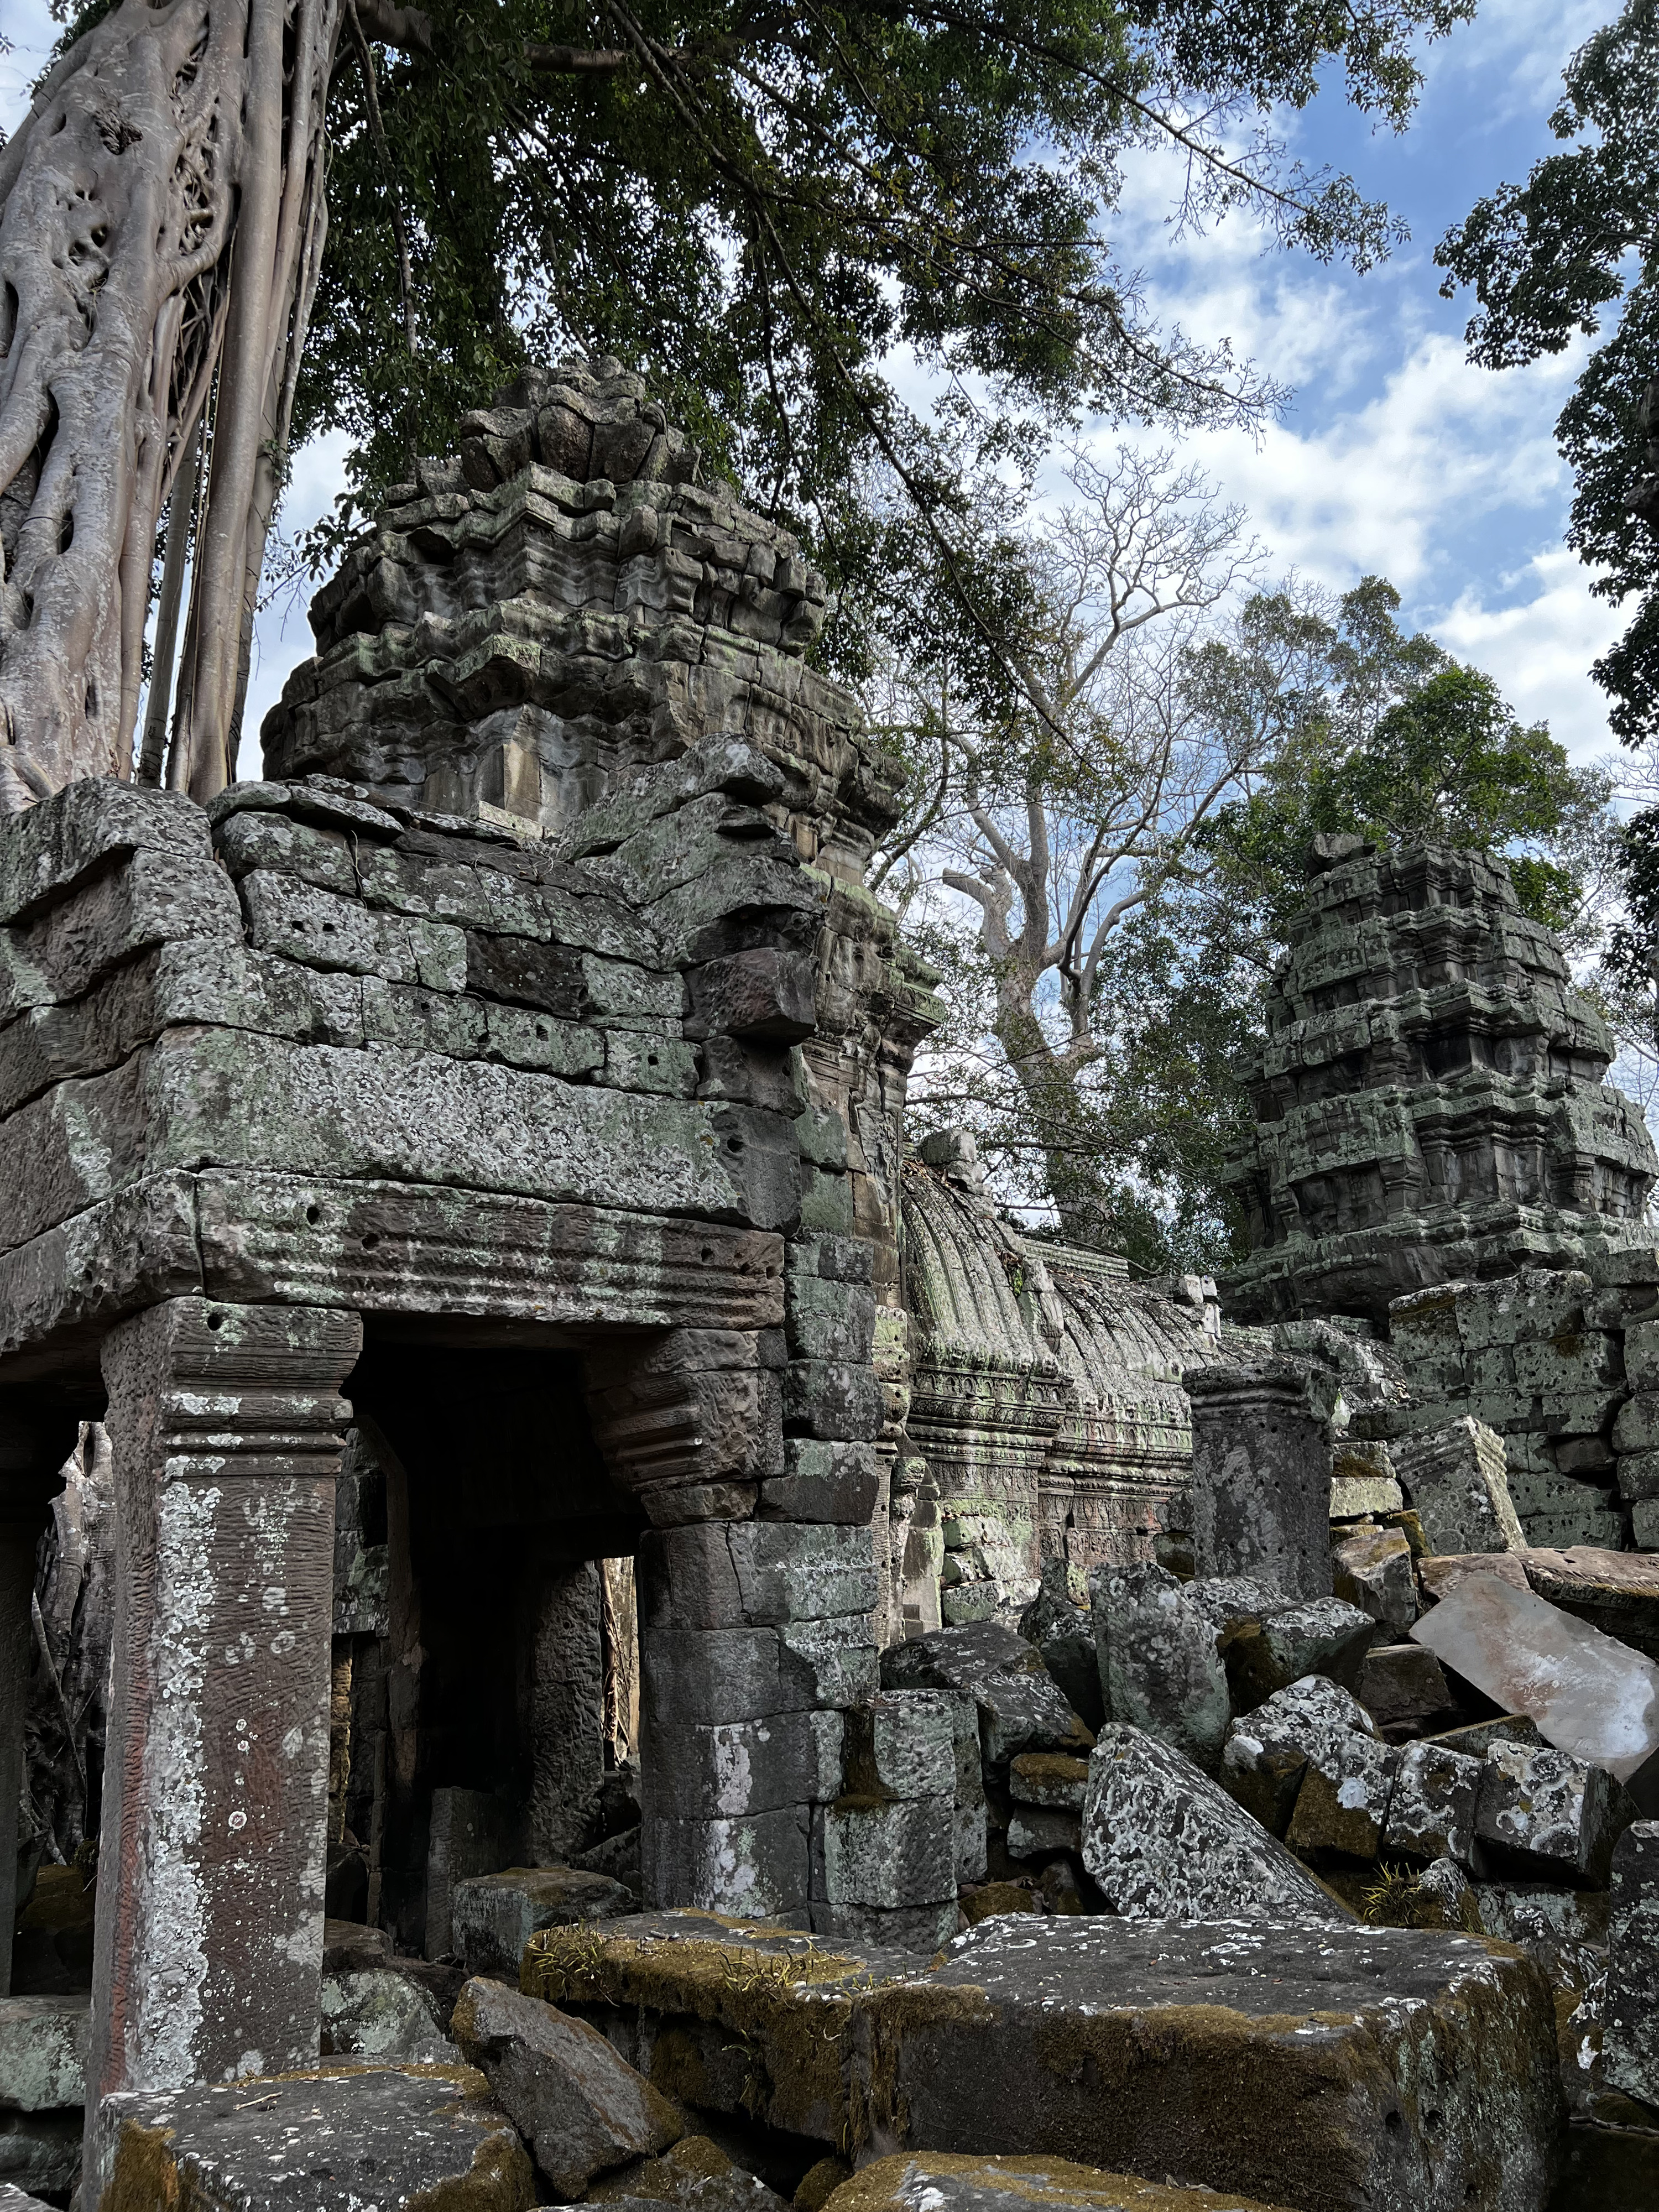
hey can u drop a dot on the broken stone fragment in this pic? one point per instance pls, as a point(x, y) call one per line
point(1361, 1480)
point(43, 2053)
point(580, 2106)
point(1403, 1687)
point(1049, 1777)
point(696, 2173)
point(40, 2151)
point(1160, 1669)
point(1372, 1569)
point(1162, 1841)
point(1457, 1480)
point(1323, 1635)
point(1590, 1696)
point(494, 1915)
point(1388, 2070)
point(1431, 1813)
point(332, 2140)
point(1342, 1800)
point(984, 1901)
point(1037, 1832)
point(937, 2181)
point(1020, 1709)
point(379, 2015)
point(1545, 1812)
point(1630, 2047)
point(1063, 1633)
point(1439, 1575)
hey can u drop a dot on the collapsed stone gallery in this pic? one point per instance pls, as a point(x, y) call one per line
point(583, 1622)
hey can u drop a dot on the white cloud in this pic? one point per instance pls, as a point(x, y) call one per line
point(1541, 647)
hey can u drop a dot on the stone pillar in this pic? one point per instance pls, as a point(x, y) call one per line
point(33, 1445)
point(567, 1712)
point(227, 1430)
point(1261, 1472)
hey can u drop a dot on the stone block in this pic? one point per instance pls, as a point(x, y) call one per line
point(1438, 1576)
point(734, 1768)
point(1638, 1475)
point(1354, 1496)
point(893, 1929)
point(382, 2016)
point(942, 2181)
point(822, 1481)
point(1342, 1800)
point(256, 839)
point(1261, 1472)
point(971, 1830)
point(1431, 1813)
point(1063, 1633)
point(1402, 1687)
point(829, 1321)
point(887, 1854)
point(472, 1831)
point(1020, 1709)
point(827, 1662)
point(494, 1915)
point(1371, 1568)
point(332, 2140)
point(1381, 2068)
point(1049, 1777)
point(834, 1400)
point(1630, 2033)
point(1641, 1356)
point(1037, 1832)
point(1162, 1841)
point(579, 2106)
point(1456, 1479)
point(43, 2053)
point(826, 1203)
point(752, 1866)
point(1617, 1592)
point(1644, 1525)
point(1549, 1814)
point(1325, 1636)
point(1590, 1696)
point(1637, 1427)
point(1160, 1669)
point(702, 1677)
point(901, 1743)
point(805, 1573)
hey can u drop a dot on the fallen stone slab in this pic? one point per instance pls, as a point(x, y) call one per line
point(1323, 1636)
point(1591, 1696)
point(1020, 1707)
point(1630, 2040)
point(1457, 1480)
point(1049, 1777)
point(939, 2181)
point(1439, 1574)
point(1617, 1592)
point(1544, 1811)
point(337, 2140)
point(1161, 1840)
point(1342, 1800)
point(1403, 1687)
point(578, 2105)
point(696, 2173)
point(1159, 1667)
point(494, 1915)
point(1371, 1568)
point(1061, 1630)
point(43, 2053)
point(1330, 2068)
point(376, 2012)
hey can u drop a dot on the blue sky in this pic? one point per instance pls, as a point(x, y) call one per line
point(1393, 455)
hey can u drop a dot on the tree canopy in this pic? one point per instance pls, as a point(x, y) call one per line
point(1573, 252)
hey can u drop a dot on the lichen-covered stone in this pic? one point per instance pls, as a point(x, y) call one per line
point(1267, 1653)
point(494, 1915)
point(1020, 1709)
point(1372, 1569)
point(1549, 1814)
point(1261, 1472)
point(382, 2016)
point(1341, 1802)
point(1403, 1687)
point(1630, 2047)
point(581, 2107)
point(1162, 1841)
point(937, 2181)
point(332, 2140)
point(1431, 1813)
point(1160, 1669)
point(1456, 1479)
point(43, 2053)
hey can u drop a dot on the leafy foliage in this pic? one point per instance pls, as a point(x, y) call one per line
point(1571, 252)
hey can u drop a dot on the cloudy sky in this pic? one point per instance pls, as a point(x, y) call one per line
point(1393, 456)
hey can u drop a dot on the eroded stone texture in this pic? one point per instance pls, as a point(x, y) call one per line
point(582, 2109)
point(937, 2181)
point(1431, 1813)
point(1161, 1840)
point(329, 2139)
point(1262, 1472)
point(1630, 2044)
point(1160, 1669)
point(1020, 1709)
point(378, 2014)
point(1548, 1813)
point(1456, 1479)
point(1409, 972)
point(43, 2053)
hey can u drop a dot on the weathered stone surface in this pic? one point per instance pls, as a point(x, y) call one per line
point(1431, 1813)
point(1160, 1669)
point(1590, 1696)
point(1362, 1479)
point(903, 1744)
point(1261, 1472)
point(1037, 1832)
point(1381, 2068)
point(1456, 1479)
point(1550, 1814)
point(42, 2053)
point(1342, 1801)
point(1325, 1636)
point(875, 1852)
point(328, 2140)
point(1372, 1569)
point(1403, 1686)
point(1617, 1592)
point(1063, 1633)
point(984, 1901)
point(1020, 1709)
point(1438, 1576)
point(696, 2173)
point(937, 2181)
point(13, 2199)
point(580, 2106)
point(1162, 1841)
point(1630, 2042)
point(1049, 1777)
point(40, 2151)
point(378, 2014)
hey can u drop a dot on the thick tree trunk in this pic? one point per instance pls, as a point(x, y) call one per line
point(1059, 1117)
point(160, 221)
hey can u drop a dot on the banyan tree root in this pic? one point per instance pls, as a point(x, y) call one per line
point(161, 225)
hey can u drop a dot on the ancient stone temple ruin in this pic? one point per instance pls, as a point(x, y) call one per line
point(614, 1630)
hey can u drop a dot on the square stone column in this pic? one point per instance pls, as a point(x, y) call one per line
point(227, 1430)
point(1261, 1472)
point(33, 1445)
